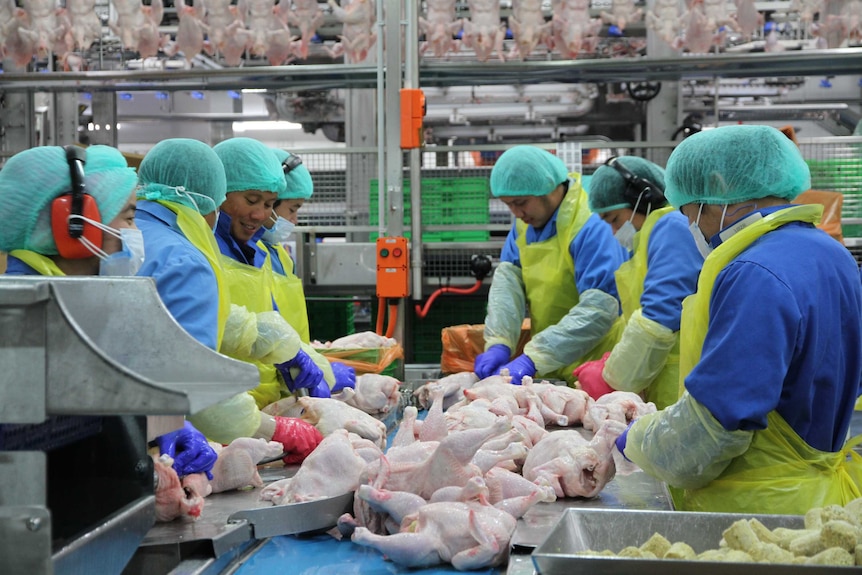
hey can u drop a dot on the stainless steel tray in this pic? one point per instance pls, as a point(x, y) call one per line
point(599, 529)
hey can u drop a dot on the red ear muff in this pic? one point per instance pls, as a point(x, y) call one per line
point(69, 231)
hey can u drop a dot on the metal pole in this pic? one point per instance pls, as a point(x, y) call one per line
point(381, 126)
point(411, 80)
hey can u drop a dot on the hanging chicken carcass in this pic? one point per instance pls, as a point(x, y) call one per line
point(574, 31)
point(529, 27)
point(137, 26)
point(483, 30)
point(226, 35)
point(439, 25)
point(357, 33)
point(305, 15)
point(44, 27)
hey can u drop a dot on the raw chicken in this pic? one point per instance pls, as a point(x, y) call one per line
point(503, 484)
point(806, 9)
point(138, 25)
point(699, 31)
point(198, 483)
point(329, 415)
point(190, 31)
point(8, 24)
point(747, 19)
point(84, 25)
point(225, 31)
point(333, 468)
point(620, 406)
point(483, 31)
point(623, 13)
point(307, 16)
point(573, 29)
point(529, 28)
point(236, 466)
point(406, 434)
point(263, 26)
point(558, 401)
point(467, 535)
point(44, 27)
point(453, 388)
point(440, 26)
point(664, 20)
point(361, 340)
point(357, 38)
point(373, 393)
point(172, 499)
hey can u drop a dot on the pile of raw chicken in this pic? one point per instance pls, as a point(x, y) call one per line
point(449, 487)
point(282, 30)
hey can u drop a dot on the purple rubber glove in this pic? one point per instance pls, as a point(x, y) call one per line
point(621, 441)
point(189, 449)
point(309, 375)
point(519, 367)
point(489, 362)
point(320, 390)
point(345, 376)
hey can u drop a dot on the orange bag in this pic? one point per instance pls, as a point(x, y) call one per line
point(374, 360)
point(462, 343)
point(832, 203)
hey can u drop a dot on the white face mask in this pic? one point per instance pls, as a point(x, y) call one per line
point(703, 245)
point(125, 262)
point(279, 232)
point(626, 235)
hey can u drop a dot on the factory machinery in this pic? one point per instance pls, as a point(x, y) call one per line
point(62, 504)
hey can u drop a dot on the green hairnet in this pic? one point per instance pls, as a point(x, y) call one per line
point(250, 165)
point(527, 171)
point(31, 179)
point(733, 164)
point(181, 162)
point(298, 180)
point(607, 186)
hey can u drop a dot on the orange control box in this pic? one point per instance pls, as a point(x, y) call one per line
point(412, 112)
point(393, 267)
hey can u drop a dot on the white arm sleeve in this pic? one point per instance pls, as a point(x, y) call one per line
point(507, 306)
point(640, 354)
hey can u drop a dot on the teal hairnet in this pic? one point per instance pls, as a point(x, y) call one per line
point(31, 179)
point(298, 180)
point(733, 164)
point(527, 171)
point(250, 165)
point(183, 162)
point(607, 186)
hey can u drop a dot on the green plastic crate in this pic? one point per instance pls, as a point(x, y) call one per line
point(446, 311)
point(445, 201)
point(328, 320)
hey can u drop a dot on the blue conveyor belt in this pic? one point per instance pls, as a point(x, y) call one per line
point(323, 555)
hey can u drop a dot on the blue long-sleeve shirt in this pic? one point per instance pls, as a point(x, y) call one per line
point(784, 334)
point(595, 251)
point(184, 277)
point(673, 265)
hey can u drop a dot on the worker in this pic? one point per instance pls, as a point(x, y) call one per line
point(254, 179)
point(628, 193)
point(772, 350)
point(36, 186)
point(559, 260)
point(182, 182)
point(287, 287)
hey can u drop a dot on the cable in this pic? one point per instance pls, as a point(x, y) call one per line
point(393, 318)
point(423, 311)
point(381, 311)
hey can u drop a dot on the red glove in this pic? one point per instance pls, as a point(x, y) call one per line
point(298, 437)
point(590, 378)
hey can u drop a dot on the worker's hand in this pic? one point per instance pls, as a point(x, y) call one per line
point(519, 367)
point(620, 441)
point(298, 437)
point(301, 371)
point(320, 390)
point(489, 362)
point(590, 378)
point(345, 376)
point(189, 449)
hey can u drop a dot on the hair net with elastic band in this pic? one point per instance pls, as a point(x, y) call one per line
point(298, 180)
point(607, 186)
point(527, 171)
point(31, 180)
point(733, 164)
point(183, 162)
point(250, 165)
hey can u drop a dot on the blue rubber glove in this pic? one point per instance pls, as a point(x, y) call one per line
point(519, 367)
point(621, 441)
point(489, 362)
point(189, 449)
point(309, 375)
point(320, 390)
point(345, 376)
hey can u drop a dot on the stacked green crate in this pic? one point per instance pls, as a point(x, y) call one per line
point(445, 201)
point(841, 175)
point(330, 319)
point(447, 310)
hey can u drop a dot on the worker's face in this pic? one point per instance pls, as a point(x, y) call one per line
point(534, 210)
point(248, 211)
point(708, 218)
point(616, 218)
point(125, 219)
point(289, 209)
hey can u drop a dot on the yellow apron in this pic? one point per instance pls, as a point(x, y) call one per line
point(780, 473)
point(42, 264)
point(288, 292)
point(549, 277)
point(198, 232)
point(250, 287)
point(630, 276)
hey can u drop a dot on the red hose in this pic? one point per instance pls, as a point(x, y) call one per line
point(393, 317)
point(381, 311)
point(423, 311)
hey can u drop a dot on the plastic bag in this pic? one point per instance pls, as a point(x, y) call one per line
point(276, 341)
point(237, 416)
point(368, 360)
point(462, 343)
point(240, 333)
point(832, 203)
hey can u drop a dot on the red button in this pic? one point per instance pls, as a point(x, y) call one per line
point(396, 252)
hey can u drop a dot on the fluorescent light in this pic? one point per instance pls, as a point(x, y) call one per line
point(264, 125)
point(253, 90)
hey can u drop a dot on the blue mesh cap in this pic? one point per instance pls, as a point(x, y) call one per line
point(733, 164)
point(183, 162)
point(607, 186)
point(527, 171)
point(31, 179)
point(298, 179)
point(250, 165)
